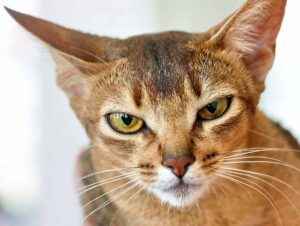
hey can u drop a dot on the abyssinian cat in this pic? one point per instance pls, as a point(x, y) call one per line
point(176, 135)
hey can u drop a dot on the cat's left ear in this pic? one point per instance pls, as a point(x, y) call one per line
point(77, 54)
point(251, 33)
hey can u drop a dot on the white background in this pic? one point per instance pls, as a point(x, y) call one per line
point(40, 136)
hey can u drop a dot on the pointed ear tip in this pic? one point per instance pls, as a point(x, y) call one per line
point(9, 10)
point(12, 12)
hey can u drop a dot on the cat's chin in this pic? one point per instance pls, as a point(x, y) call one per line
point(179, 196)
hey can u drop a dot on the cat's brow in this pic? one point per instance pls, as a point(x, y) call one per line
point(137, 94)
point(122, 104)
point(195, 84)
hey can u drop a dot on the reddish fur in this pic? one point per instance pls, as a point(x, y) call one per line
point(164, 79)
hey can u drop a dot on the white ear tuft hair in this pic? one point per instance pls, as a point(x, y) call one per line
point(251, 32)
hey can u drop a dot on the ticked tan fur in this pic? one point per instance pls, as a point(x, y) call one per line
point(165, 79)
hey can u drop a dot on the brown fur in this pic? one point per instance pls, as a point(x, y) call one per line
point(165, 79)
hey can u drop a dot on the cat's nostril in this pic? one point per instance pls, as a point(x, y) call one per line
point(180, 165)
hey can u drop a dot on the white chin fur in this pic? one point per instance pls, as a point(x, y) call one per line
point(165, 190)
point(176, 199)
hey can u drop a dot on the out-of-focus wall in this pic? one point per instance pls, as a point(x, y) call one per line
point(41, 135)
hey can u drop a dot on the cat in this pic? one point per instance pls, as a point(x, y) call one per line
point(176, 135)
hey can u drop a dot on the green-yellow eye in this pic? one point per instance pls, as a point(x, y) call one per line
point(214, 109)
point(125, 123)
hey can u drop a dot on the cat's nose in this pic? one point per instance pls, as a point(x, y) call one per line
point(179, 165)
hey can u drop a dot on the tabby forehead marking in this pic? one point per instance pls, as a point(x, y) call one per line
point(163, 67)
point(137, 94)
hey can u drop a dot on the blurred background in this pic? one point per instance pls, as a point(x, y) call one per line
point(39, 134)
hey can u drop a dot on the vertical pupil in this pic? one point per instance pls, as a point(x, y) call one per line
point(212, 107)
point(127, 119)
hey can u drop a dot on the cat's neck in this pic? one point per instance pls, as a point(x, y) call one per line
point(265, 132)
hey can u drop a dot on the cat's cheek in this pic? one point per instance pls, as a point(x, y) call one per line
point(148, 154)
point(79, 172)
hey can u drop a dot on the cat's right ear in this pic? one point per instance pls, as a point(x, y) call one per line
point(250, 33)
point(77, 55)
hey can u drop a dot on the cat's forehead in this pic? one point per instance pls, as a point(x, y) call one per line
point(162, 60)
point(166, 72)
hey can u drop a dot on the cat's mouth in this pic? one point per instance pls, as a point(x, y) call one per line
point(182, 188)
point(180, 194)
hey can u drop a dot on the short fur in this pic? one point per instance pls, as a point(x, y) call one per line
point(165, 79)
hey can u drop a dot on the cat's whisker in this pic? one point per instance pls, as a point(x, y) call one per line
point(243, 150)
point(104, 194)
point(248, 181)
point(260, 149)
point(220, 174)
point(111, 200)
point(237, 183)
point(241, 186)
point(106, 171)
point(270, 184)
point(91, 54)
point(263, 157)
point(100, 60)
point(107, 181)
point(263, 175)
point(168, 211)
point(145, 202)
point(256, 157)
point(222, 188)
point(265, 136)
point(251, 156)
point(90, 69)
point(229, 162)
point(131, 197)
point(88, 147)
point(197, 204)
point(214, 190)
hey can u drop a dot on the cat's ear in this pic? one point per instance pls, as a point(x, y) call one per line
point(76, 54)
point(251, 32)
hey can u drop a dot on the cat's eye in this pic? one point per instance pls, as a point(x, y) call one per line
point(214, 109)
point(125, 123)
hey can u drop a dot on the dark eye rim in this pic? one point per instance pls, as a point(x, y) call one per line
point(229, 99)
point(143, 127)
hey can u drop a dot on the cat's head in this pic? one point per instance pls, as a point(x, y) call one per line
point(170, 103)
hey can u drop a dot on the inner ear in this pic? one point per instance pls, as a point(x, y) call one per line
point(251, 34)
point(72, 74)
point(78, 55)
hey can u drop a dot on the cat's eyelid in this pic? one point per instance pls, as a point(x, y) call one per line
point(121, 112)
point(118, 108)
point(215, 99)
point(121, 103)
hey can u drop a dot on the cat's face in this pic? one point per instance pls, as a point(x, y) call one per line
point(171, 101)
point(170, 104)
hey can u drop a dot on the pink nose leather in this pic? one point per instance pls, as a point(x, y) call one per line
point(179, 165)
